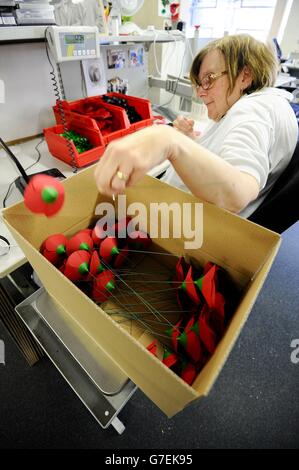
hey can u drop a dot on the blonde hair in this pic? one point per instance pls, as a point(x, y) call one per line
point(239, 51)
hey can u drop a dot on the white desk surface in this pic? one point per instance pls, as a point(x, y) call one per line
point(284, 79)
point(27, 155)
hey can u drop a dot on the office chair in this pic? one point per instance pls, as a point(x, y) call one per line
point(280, 209)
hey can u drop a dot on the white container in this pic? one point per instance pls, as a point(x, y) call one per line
point(34, 16)
point(114, 26)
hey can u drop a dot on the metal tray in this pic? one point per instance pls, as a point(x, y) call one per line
point(99, 382)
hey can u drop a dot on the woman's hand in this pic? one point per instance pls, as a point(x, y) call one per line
point(186, 126)
point(127, 160)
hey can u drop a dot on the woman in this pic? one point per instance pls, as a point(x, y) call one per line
point(240, 155)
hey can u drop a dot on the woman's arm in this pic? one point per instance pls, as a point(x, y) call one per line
point(211, 178)
point(205, 174)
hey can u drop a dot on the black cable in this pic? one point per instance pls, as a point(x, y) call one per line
point(38, 152)
point(30, 166)
point(6, 245)
point(46, 43)
point(15, 160)
point(8, 193)
point(59, 103)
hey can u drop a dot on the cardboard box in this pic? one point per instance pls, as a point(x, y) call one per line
point(244, 249)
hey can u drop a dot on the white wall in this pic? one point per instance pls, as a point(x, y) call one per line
point(167, 56)
point(148, 15)
point(290, 40)
point(28, 91)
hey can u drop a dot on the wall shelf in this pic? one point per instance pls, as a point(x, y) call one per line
point(159, 37)
point(17, 34)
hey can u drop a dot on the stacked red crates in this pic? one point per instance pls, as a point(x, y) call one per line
point(83, 124)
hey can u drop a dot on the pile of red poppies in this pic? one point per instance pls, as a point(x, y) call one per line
point(102, 115)
point(207, 300)
point(91, 257)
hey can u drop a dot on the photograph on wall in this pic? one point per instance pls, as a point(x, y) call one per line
point(136, 56)
point(116, 59)
point(94, 76)
point(118, 85)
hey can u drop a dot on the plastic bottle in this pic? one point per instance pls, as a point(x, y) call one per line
point(114, 26)
point(114, 21)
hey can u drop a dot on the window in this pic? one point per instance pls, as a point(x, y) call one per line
point(217, 17)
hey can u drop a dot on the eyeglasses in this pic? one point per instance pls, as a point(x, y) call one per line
point(209, 80)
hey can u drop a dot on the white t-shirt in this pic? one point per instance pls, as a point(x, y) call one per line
point(258, 135)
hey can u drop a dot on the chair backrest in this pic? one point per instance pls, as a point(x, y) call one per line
point(277, 49)
point(280, 209)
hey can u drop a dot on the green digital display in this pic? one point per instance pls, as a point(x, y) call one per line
point(74, 39)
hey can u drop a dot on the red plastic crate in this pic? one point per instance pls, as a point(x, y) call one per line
point(120, 123)
point(143, 108)
point(60, 147)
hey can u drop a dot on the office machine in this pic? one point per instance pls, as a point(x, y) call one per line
point(73, 42)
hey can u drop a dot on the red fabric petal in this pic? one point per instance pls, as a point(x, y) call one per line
point(33, 195)
point(99, 291)
point(190, 287)
point(207, 335)
point(189, 373)
point(51, 243)
point(152, 348)
point(174, 333)
point(208, 286)
point(72, 264)
point(106, 248)
point(73, 244)
point(52, 256)
point(98, 234)
point(214, 299)
point(95, 263)
point(121, 258)
point(179, 271)
point(169, 360)
point(192, 346)
point(86, 230)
